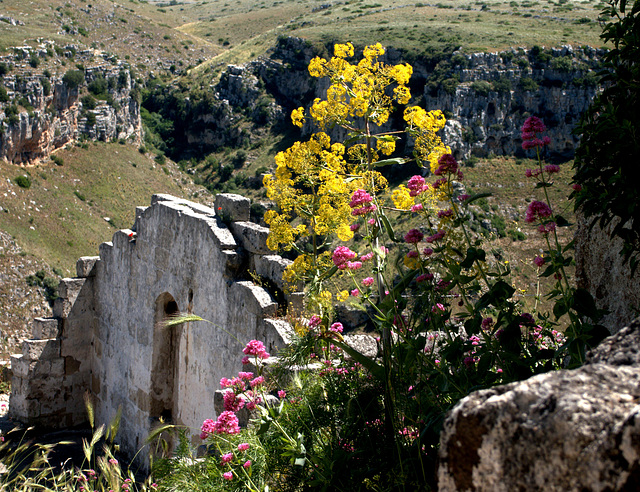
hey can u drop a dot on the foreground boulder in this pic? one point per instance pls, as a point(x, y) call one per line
point(563, 431)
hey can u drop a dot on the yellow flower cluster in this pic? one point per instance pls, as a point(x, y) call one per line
point(424, 126)
point(358, 90)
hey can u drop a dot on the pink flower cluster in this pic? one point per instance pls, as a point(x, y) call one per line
point(336, 328)
point(537, 210)
point(532, 127)
point(368, 281)
point(361, 203)
point(539, 261)
point(417, 185)
point(436, 237)
point(414, 236)
point(227, 423)
point(256, 348)
point(445, 213)
point(342, 257)
point(447, 164)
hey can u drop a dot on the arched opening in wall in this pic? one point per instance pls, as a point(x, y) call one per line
point(164, 360)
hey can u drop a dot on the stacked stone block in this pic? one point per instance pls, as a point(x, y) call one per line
point(50, 375)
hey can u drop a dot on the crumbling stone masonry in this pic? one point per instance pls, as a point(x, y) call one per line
point(106, 338)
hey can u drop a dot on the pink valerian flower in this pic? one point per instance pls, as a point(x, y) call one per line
point(282, 394)
point(417, 207)
point(463, 197)
point(539, 261)
point(315, 321)
point(551, 168)
point(256, 348)
point(360, 198)
point(257, 381)
point(243, 446)
point(371, 222)
point(438, 308)
point(438, 183)
point(226, 458)
point(208, 427)
point(245, 360)
point(414, 236)
point(367, 282)
point(227, 423)
point(424, 277)
point(487, 324)
point(232, 402)
point(576, 187)
point(474, 339)
point(537, 210)
point(245, 375)
point(355, 292)
point(413, 254)
point(351, 265)
point(528, 318)
point(363, 210)
point(547, 228)
point(436, 237)
point(532, 173)
point(427, 251)
point(416, 185)
point(531, 128)
point(247, 464)
point(341, 255)
point(445, 213)
point(447, 164)
point(228, 475)
point(336, 327)
point(366, 257)
point(354, 227)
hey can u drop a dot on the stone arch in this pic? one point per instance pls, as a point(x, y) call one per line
point(164, 360)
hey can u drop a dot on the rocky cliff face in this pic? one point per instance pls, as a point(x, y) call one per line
point(485, 96)
point(43, 113)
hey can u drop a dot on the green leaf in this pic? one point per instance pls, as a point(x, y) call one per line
point(542, 185)
point(560, 309)
point(388, 228)
point(497, 295)
point(477, 196)
point(562, 222)
point(389, 162)
point(353, 137)
point(473, 254)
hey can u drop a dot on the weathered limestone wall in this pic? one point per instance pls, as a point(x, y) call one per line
point(179, 257)
point(600, 270)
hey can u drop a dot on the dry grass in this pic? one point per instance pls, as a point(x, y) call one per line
point(61, 216)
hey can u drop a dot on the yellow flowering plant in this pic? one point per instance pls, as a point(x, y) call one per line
point(314, 181)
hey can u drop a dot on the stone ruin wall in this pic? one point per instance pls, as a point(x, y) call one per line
point(106, 341)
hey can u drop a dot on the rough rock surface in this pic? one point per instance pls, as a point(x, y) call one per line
point(562, 431)
point(600, 270)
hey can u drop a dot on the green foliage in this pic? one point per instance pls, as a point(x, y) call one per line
point(23, 181)
point(606, 160)
point(49, 285)
point(562, 63)
point(88, 102)
point(4, 68)
point(57, 160)
point(46, 86)
point(73, 78)
point(528, 84)
point(4, 97)
point(98, 87)
point(481, 87)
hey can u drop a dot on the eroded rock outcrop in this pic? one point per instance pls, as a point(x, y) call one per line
point(561, 431)
point(43, 113)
